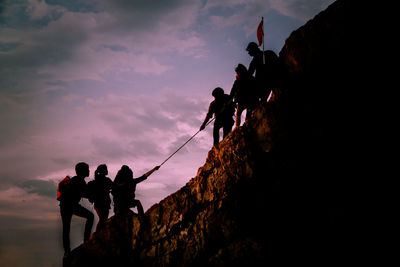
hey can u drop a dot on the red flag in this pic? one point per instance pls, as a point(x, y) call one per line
point(260, 32)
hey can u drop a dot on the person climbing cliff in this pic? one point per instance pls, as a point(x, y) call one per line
point(69, 204)
point(244, 93)
point(223, 108)
point(99, 190)
point(124, 188)
point(265, 68)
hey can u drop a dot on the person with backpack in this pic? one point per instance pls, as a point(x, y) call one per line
point(244, 93)
point(99, 190)
point(265, 67)
point(124, 188)
point(71, 192)
point(223, 108)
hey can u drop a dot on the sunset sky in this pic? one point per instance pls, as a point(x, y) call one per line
point(115, 82)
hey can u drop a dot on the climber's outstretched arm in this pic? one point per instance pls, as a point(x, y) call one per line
point(147, 174)
point(208, 117)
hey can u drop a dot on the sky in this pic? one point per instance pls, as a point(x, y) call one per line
point(115, 82)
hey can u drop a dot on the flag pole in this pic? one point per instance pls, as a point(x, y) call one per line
point(262, 19)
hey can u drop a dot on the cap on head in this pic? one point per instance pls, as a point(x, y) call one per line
point(251, 46)
point(218, 92)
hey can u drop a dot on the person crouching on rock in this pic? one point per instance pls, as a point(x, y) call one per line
point(124, 188)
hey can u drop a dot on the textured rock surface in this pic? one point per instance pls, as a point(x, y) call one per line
point(271, 192)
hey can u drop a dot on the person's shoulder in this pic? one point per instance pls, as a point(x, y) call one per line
point(212, 104)
point(227, 97)
point(74, 179)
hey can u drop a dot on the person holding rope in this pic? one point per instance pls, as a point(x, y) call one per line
point(124, 188)
point(223, 108)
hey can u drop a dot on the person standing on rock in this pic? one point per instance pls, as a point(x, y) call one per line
point(223, 108)
point(244, 93)
point(99, 190)
point(265, 67)
point(69, 204)
point(124, 188)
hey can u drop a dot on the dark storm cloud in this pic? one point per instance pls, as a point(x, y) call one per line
point(146, 13)
point(2, 5)
point(301, 9)
point(43, 48)
point(28, 14)
point(71, 38)
point(40, 187)
point(6, 47)
point(83, 6)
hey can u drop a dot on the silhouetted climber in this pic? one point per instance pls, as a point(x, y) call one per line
point(69, 204)
point(265, 74)
point(244, 93)
point(223, 108)
point(99, 190)
point(124, 189)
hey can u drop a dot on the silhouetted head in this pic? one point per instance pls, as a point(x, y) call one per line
point(125, 171)
point(241, 69)
point(218, 92)
point(82, 169)
point(252, 48)
point(101, 170)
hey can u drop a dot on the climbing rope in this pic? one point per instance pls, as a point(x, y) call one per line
point(226, 104)
point(190, 139)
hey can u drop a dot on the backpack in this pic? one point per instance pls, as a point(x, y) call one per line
point(62, 187)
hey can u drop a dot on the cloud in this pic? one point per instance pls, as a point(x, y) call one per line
point(247, 14)
point(226, 3)
point(30, 227)
point(114, 129)
point(300, 9)
point(40, 187)
point(150, 14)
point(147, 125)
point(109, 148)
point(243, 14)
point(38, 9)
point(17, 202)
point(115, 82)
point(68, 46)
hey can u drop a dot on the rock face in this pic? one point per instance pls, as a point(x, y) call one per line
point(273, 190)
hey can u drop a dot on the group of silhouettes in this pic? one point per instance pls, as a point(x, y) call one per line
point(252, 86)
point(246, 93)
point(98, 192)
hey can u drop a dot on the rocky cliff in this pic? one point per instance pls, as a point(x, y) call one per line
point(273, 190)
